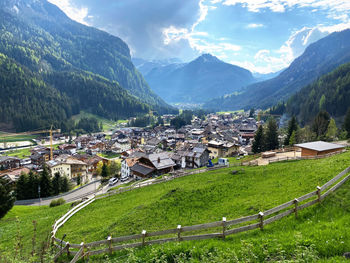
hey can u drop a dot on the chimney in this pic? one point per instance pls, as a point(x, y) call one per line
point(158, 159)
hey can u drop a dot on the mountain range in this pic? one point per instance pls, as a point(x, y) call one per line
point(197, 81)
point(41, 40)
point(318, 59)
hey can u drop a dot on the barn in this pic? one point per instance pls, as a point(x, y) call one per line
point(319, 148)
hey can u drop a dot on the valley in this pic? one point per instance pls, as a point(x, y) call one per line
point(174, 131)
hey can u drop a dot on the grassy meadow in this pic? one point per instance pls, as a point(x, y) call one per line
point(106, 124)
point(201, 198)
point(319, 234)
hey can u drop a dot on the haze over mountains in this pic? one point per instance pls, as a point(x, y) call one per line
point(40, 40)
point(198, 80)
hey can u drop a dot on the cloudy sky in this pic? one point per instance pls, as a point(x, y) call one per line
point(260, 35)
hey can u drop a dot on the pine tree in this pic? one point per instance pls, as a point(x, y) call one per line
point(104, 172)
point(64, 185)
point(32, 185)
point(320, 124)
point(258, 143)
point(45, 183)
point(56, 181)
point(347, 123)
point(271, 137)
point(7, 197)
point(292, 126)
point(331, 130)
point(21, 187)
point(292, 139)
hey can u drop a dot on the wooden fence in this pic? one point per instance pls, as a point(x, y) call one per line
point(304, 157)
point(223, 228)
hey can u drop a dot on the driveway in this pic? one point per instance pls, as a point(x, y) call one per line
point(265, 161)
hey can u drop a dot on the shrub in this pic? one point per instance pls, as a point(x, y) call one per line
point(57, 202)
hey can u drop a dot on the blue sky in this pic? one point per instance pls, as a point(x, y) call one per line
point(261, 35)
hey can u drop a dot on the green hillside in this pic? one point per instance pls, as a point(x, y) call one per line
point(72, 57)
point(30, 100)
point(205, 198)
point(41, 37)
point(331, 92)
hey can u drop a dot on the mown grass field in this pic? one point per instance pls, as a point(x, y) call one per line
point(17, 138)
point(106, 124)
point(320, 232)
point(109, 155)
point(22, 153)
point(201, 198)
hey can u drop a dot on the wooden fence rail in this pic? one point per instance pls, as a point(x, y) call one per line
point(256, 221)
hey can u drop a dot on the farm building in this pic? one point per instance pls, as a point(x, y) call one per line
point(319, 148)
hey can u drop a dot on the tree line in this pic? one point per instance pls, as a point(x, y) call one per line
point(27, 186)
point(323, 127)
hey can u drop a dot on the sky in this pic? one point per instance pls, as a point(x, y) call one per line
point(260, 35)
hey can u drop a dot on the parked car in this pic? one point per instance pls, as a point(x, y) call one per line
point(112, 181)
point(123, 179)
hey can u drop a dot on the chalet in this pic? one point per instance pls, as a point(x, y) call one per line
point(38, 159)
point(91, 161)
point(191, 158)
point(68, 148)
point(219, 149)
point(151, 165)
point(319, 148)
point(83, 141)
point(8, 162)
point(196, 134)
point(77, 167)
point(59, 167)
point(14, 174)
point(141, 170)
point(126, 166)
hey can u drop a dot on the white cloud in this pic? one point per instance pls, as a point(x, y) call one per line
point(254, 25)
point(219, 47)
point(256, 5)
point(281, 5)
point(73, 12)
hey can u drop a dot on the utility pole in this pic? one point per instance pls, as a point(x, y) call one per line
point(39, 195)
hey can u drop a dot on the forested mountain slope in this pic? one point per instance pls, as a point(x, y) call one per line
point(31, 100)
point(331, 92)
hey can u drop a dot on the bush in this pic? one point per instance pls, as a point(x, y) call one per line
point(57, 202)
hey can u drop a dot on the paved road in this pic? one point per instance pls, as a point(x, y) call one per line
point(85, 191)
point(79, 193)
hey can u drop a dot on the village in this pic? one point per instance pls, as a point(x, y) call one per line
point(143, 153)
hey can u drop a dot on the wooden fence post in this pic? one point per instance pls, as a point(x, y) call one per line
point(261, 217)
point(319, 194)
point(83, 252)
point(296, 201)
point(144, 232)
point(52, 239)
point(109, 238)
point(67, 244)
point(223, 227)
point(179, 232)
